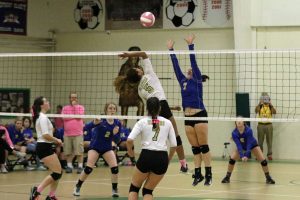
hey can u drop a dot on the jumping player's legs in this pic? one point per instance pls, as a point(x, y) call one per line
point(202, 137)
point(179, 149)
point(192, 138)
point(166, 112)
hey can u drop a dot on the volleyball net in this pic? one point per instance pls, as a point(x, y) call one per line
point(92, 74)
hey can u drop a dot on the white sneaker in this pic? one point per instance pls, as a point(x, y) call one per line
point(76, 191)
point(20, 154)
point(41, 168)
point(3, 169)
point(28, 168)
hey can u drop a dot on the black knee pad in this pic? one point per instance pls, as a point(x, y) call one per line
point(114, 170)
point(134, 188)
point(88, 170)
point(196, 150)
point(178, 140)
point(204, 148)
point(56, 176)
point(147, 191)
point(264, 163)
point(231, 161)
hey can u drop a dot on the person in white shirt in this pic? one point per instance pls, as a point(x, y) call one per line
point(150, 86)
point(44, 149)
point(155, 132)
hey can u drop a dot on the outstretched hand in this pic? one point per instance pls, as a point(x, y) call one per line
point(190, 39)
point(170, 44)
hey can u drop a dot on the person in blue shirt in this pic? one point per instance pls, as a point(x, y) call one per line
point(193, 106)
point(245, 142)
point(101, 145)
point(87, 135)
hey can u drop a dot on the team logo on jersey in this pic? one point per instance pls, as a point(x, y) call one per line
point(88, 13)
point(184, 85)
point(242, 140)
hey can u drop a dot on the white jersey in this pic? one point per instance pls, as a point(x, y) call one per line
point(43, 126)
point(151, 139)
point(150, 85)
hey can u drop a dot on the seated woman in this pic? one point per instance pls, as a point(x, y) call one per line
point(243, 137)
point(5, 145)
point(119, 142)
point(59, 150)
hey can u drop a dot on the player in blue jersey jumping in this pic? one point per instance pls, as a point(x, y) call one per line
point(101, 145)
point(193, 106)
point(245, 142)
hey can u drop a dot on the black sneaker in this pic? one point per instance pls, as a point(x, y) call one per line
point(184, 169)
point(34, 193)
point(69, 170)
point(270, 181)
point(208, 180)
point(226, 179)
point(197, 179)
point(51, 198)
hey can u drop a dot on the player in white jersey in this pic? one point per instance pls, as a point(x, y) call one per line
point(150, 86)
point(155, 132)
point(44, 149)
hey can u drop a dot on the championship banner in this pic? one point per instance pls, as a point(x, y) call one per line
point(13, 17)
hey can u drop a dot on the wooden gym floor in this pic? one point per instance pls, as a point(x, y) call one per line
point(247, 182)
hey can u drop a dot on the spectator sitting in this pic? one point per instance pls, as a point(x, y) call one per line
point(17, 138)
point(29, 141)
point(59, 150)
point(119, 140)
point(6, 144)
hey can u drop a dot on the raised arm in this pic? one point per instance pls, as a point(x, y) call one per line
point(196, 71)
point(176, 67)
point(141, 54)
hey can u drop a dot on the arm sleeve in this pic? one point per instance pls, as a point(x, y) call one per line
point(250, 139)
point(238, 144)
point(7, 138)
point(176, 67)
point(196, 71)
point(137, 129)
point(89, 126)
point(172, 137)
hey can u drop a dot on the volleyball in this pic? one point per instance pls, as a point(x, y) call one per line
point(147, 19)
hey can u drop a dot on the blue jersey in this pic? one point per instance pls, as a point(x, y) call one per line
point(88, 131)
point(59, 133)
point(27, 133)
point(244, 141)
point(122, 135)
point(191, 89)
point(103, 135)
point(15, 135)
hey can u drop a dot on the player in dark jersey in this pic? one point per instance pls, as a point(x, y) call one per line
point(193, 106)
point(101, 145)
point(245, 142)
